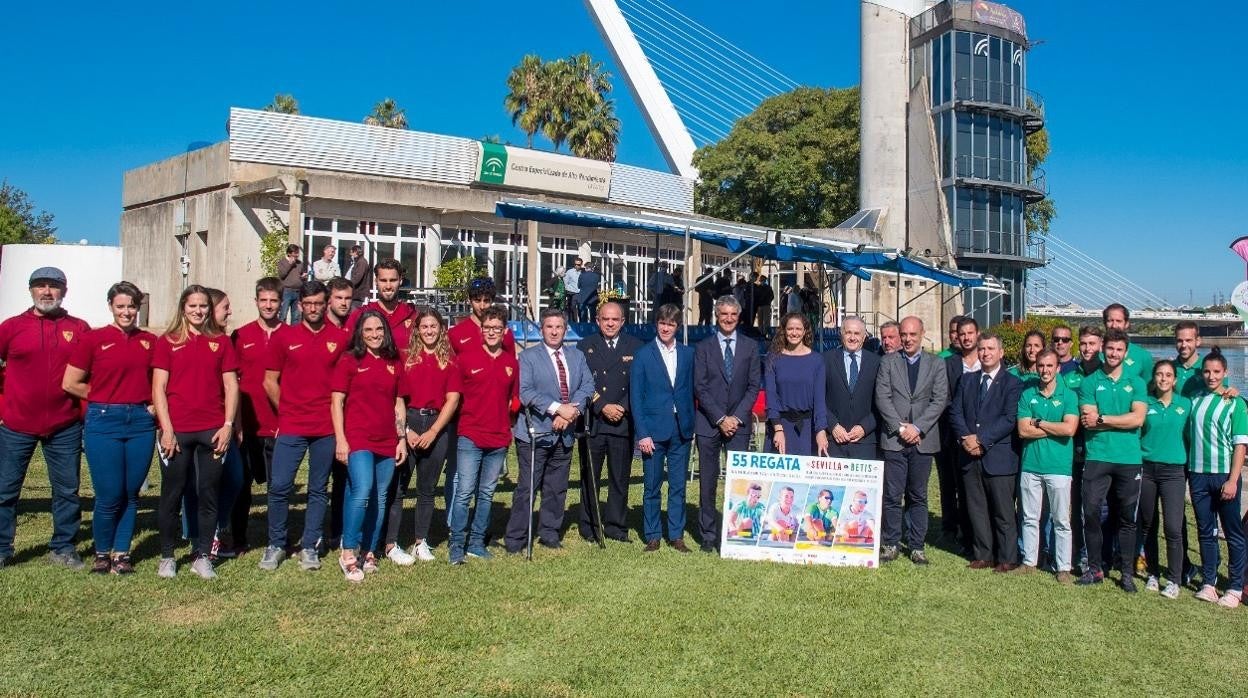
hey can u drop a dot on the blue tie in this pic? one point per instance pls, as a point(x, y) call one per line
point(983, 387)
point(853, 370)
point(728, 360)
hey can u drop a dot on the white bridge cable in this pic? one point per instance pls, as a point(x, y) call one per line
point(1099, 295)
point(1113, 276)
point(784, 80)
point(1078, 292)
point(705, 53)
point(676, 77)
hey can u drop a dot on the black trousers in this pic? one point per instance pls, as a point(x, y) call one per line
point(1169, 484)
point(427, 466)
point(195, 459)
point(709, 448)
point(617, 452)
point(993, 515)
point(337, 492)
point(954, 518)
point(1122, 482)
point(550, 466)
point(257, 454)
point(906, 474)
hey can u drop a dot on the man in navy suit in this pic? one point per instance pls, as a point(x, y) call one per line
point(555, 385)
point(661, 396)
point(587, 296)
point(726, 383)
point(983, 417)
point(851, 394)
point(955, 522)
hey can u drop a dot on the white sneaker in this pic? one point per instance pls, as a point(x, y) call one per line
point(202, 566)
point(1208, 593)
point(1151, 584)
point(168, 568)
point(422, 552)
point(1171, 591)
point(1230, 599)
point(400, 557)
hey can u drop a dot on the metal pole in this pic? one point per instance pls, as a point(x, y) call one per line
point(684, 273)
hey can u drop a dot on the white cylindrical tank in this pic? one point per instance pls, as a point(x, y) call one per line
point(89, 271)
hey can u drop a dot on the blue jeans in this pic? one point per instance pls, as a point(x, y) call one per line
point(119, 441)
point(290, 305)
point(287, 454)
point(1210, 508)
point(675, 454)
point(227, 493)
point(62, 451)
point(476, 475)
point(368, 478)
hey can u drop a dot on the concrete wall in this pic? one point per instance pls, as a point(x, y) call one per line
point(201, 169)
point(885, 82)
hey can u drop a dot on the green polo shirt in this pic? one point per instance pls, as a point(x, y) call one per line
point(754, 513)
point(1072, 379)
point(1048, 455)
point(1164, 436)
point(1029, 378)
point(1113, 398)
point(1190, 382)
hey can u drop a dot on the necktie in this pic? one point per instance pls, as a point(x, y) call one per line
point(984, 380)
point(611, 344)
point(728, 360)
point(563, 378)
point(853, 370)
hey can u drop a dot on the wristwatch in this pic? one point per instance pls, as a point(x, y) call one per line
point(1035, 423)
point(1100, 419)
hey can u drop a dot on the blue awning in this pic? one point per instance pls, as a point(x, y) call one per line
point(739, 238)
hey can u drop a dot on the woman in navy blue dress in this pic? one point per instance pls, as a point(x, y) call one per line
point(797, 414)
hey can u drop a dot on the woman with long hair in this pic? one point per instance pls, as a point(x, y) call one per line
point(111, 369)
point(369, 429)
point(794, 379)
point(195, 395)
point(1163, 441)
point(431, 383)
point(1033, 344)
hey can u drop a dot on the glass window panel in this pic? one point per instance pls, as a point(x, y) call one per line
point(387, 229)
point(348, 226)
point(409, 256)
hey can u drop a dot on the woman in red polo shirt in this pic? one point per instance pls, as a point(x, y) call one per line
point(432, 385)
point(368, 414)
point(195, 393)
point(111, 369)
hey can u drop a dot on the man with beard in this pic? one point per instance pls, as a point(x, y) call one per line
point(1138, 362)
point(890, 337)
point(955, 521)
point(401, 316)
point(340, 302)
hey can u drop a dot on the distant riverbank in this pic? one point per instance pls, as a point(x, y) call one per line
point(1204, 341)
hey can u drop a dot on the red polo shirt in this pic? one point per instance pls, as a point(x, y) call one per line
point(118, 365)
point(195, 391)
point(371, 385)
point(466, 336)
point(36, 349)
point(402, 321)
point(426, 384)
point(253, 343)
point(490, 385)
point(306, 362)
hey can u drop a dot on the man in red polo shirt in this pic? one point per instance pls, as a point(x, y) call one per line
point(36, 346)
point(399, 315)
point(466, 334)
point(339, 311)
point(297, 382)
point(338, 315)
point(491, 380)
point(258, 421)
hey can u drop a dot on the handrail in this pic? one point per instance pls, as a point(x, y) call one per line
point(1007, 94)
point(1000, 170)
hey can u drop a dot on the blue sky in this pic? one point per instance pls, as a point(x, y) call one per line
point(1149, 168)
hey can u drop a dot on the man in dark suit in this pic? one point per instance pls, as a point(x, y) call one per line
point(955, 523)
point(587, 296)
point(911, 392)
point(726, 383)
point(359, 273)
point(555, 386)
point(661, 395)
point(851, 376)
point(983, 417)
point(609, 355)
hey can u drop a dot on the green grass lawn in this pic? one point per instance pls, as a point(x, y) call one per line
point(585, 621)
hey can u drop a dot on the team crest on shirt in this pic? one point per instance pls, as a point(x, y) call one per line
point(331, 346)
point(1179, 410)
point(1129, 362)
point(1057, 403)
point(408, 323)
point(68, 335)
point(1126, 388)
point(213, 346)
point(146, 344)
point(508, 369)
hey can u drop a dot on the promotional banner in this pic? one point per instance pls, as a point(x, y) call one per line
point(520, 168)
point(807, 510)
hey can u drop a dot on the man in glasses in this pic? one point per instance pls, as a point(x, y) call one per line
point(466, 334)
point(1062, 339)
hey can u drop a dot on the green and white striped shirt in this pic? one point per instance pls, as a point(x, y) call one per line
point(1217, 425)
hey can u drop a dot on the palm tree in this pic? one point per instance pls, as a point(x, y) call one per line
point(595, 134)
point(388, 114)
point(526, 95)
point(283, 104)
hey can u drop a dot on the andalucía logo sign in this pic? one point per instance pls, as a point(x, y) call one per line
point(493, 163)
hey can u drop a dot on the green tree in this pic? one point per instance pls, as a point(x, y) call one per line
point(792, 163)
point(273, 244)
point(596, 134)
point(1039, 216)
point(565, 100)
point(526, 98)
point(283, 104)
point(19, 222)
point(388, 114)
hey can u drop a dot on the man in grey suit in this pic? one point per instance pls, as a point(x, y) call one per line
point(555, 385)
point(850, 398)
point(725, 382)
point(911, 392)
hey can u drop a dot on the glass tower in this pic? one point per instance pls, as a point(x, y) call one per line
point(974, 56)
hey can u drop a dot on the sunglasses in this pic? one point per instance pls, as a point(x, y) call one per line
point(1061, 339)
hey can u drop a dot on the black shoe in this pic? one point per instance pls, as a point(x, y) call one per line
point(589, 539)
point(918, 558)
point(552, 544)
point(1090, 577)
point(620, 539)
point(708, 548)
point(1127, 583)
point(889, 553)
